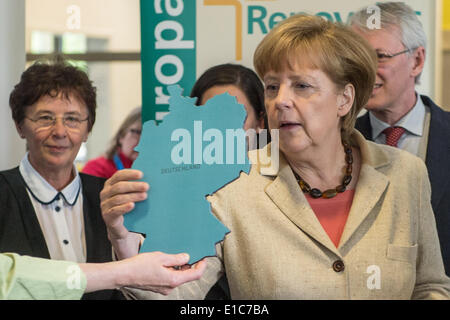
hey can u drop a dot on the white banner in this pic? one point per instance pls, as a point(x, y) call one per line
point(181, 39)
point(230, 30)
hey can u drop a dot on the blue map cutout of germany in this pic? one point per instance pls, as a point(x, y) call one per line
point(176, 217)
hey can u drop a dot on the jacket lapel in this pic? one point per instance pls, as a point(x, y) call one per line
point(438, 151)
point(287, 196)
point(89, 226)
point(98, 248)
point(369, 191)
point(363, 125)
point(370, 188)
point(31, 224)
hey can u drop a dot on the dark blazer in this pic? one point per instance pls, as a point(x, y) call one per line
point(21, 233)
point(438, 165)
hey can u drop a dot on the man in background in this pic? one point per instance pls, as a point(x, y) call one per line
point(398, 115)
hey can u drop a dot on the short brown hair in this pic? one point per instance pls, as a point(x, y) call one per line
point(53, 77)
point(343, 55)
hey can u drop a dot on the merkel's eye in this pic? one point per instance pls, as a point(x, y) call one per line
point(301, 85)
point(271, 87)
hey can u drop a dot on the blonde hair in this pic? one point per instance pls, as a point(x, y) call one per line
point(133, 117)
point(311, 41)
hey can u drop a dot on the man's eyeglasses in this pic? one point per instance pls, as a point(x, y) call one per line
point(47, 121)
point(385, 57)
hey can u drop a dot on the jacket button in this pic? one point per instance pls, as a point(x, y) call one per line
point(338, 266)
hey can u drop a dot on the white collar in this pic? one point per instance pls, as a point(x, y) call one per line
point(42, 191)
point(412, 121)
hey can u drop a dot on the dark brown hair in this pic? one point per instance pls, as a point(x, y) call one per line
point(233, 74)
point(53, 77)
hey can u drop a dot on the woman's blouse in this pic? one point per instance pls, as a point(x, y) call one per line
point(60, 213)
point(332, 213)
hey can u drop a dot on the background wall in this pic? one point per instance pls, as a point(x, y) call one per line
point(117, 22)
point(12, 62)
point(213, 49)
point(238, 28)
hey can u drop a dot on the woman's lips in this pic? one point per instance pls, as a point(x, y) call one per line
point(289, 126)
point(56, 148)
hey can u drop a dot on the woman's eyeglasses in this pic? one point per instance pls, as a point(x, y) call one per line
point(47, 121)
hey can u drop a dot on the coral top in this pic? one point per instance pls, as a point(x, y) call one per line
point(332, 213)
point(105, 168)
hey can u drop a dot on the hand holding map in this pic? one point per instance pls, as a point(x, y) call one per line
point(191, 154)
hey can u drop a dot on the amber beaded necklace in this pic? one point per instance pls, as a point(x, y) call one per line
point(330, 193)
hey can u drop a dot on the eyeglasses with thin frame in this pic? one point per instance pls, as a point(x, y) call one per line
point(385, 57)
point(47, 121)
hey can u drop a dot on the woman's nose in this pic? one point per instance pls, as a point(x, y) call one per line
point(59, 128)
point(283, 98)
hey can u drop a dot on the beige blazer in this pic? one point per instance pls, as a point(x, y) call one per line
point(277, 248)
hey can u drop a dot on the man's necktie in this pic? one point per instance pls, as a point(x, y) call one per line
point(393, 134)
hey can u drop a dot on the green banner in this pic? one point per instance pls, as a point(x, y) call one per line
point(168, 52)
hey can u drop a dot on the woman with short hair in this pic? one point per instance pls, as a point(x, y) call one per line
point(49, 210)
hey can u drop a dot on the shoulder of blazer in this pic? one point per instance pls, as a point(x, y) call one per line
point(438, 139)
point(11, 175)
point(363, 125)
point(92, 182)
point(439, 117)
point(14, 183)
point(11, 183)
point(21, 207)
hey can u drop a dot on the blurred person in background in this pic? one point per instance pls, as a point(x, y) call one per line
point(120, 154)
